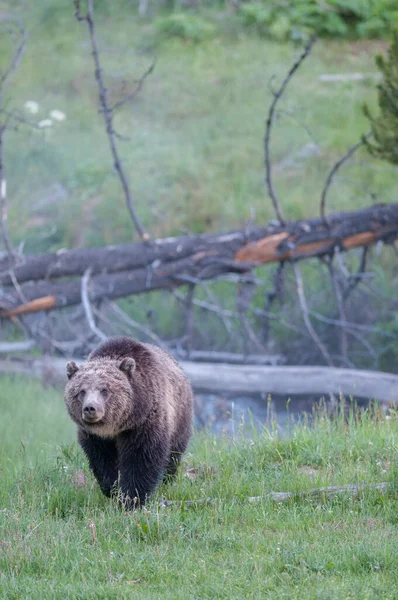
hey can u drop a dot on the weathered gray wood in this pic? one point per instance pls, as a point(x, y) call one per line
point(9, 347)
point(285, 380)
point(119, 271)
point(231, 358)
point(248, 379)
point(325, 492)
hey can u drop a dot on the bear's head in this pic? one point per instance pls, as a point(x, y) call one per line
point(99, 396)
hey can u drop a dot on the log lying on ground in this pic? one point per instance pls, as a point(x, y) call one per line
point(247, 379)
point(119, 271)
point(315, 493)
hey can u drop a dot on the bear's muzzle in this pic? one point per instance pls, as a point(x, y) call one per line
point(93, 408)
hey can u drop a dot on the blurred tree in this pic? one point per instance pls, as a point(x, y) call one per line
point(384, 127)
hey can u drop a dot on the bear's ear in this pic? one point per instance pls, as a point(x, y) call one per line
point(71, 369)
point(127, 365)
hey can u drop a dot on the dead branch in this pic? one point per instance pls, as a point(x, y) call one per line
point(10, 347)
point(188, 309)
point(357, 278)
point(306, 318)
point(123, 270)
point(231, 357)
point(9, 73)
point(3, 200)
point(134, 324)
point(87, 307)
point(245, 292)
point(333, 172)
point(5, 81)
point(276, 292)
point(249, 379)
point(341, 308)
point(270, 119)
point(107, 112)
point(230, 252)
point(137, 90)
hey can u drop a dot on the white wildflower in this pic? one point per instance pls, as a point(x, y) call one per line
point(32, 106)
point(45, 123)
point(57, 115)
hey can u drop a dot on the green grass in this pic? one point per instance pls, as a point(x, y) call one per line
point(195, 149)
point(304, 549)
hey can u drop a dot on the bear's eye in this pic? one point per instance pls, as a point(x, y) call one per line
point(82, 393)
point(104, 392)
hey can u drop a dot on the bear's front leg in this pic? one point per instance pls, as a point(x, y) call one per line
point(102, 457)
point(142, 464)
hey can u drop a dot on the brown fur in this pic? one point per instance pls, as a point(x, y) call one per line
point(144, 405)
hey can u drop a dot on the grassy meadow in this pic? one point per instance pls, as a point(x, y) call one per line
point(61, 539)
point(193, 144)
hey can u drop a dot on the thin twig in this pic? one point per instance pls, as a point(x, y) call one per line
point(87, 307)
point(188, 309)
point(275, 293)
point(341, 308)
point(5, 81)
point(139, 326)
point(106, 110)
point(3, 201)
point(245, 291)
point(356, 279)
point(137, 90)
point(350, 325)
point(307, 320)
point(277, 96)
point(333, 172)
point(7, 76)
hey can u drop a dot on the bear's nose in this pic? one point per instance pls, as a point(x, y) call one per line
point(93, 410)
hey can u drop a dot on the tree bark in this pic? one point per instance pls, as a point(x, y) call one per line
point(245, 379)
point(122, 270)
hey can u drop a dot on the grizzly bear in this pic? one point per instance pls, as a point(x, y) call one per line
point(133, 408)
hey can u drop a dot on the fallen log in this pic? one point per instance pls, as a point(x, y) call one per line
point(322, 494)
point(119, 271)
point(246, 379)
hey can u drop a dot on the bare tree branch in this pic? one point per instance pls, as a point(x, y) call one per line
point(275, 293)
point(355, 279)
point(138, 326)
point(333, 172)
point(137, 90)
point(106, 110)
point(341, 308)
point(245, 291)
point(307, 320)
point(5, 81)
point(350, 325)
point(3, 200)
point(7, 76)
point(188, 309)
point(24, 346)
point(271, 113)
point(87, 307)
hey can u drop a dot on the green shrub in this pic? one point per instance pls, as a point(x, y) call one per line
point(384, 126)
point(297, 18)
point(185, 26)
